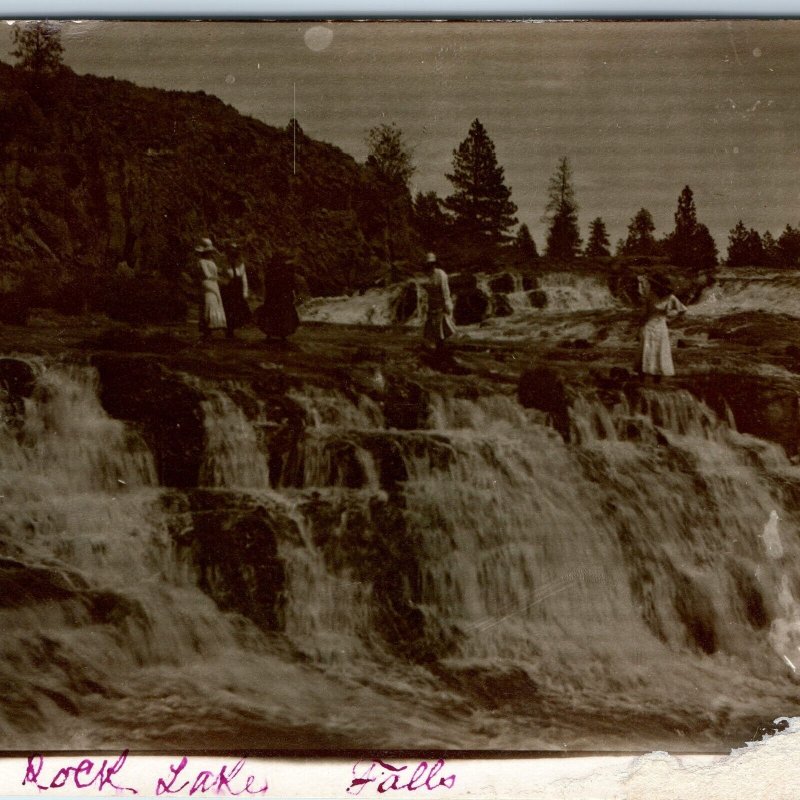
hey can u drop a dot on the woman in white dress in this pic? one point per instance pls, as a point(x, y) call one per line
point(212, 313)
point(660, 305)
point(439, 324)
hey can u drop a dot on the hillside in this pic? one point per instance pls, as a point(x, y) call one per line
point(103, 177)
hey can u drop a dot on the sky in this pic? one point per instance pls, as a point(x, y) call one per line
point(639, 108)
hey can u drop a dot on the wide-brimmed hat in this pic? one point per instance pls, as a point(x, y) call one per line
point(431, 258)
point(205, 246)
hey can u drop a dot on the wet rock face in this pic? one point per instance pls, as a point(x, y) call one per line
point(23, 584)
point(371, 543)
point(471, 306)
point(17, 377)
point(233, 543)
point(462, 282)
point(537, 298)
point(163, 407)
point(759, 405)
point(406, 304)
point(406, 405)
point(502, 283)
point(282, 440)
point(543, 388)
point(501, 307)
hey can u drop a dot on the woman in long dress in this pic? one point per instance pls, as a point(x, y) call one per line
point(660, 305)
point(212, 313)
point(235, 291)
point(278, 317)
point(439, 324)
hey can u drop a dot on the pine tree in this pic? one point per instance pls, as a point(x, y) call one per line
point(755, 248)
point(640, 240)
point(563, 236)
point(389, 164)
point(526, 247)
point(481, 202)
point(38, 46)
point(745, 248)
point(737, 246)
point(690, 243)
point(789, 247)
point(389, 156)
point(598, 244)
point(771, 253)
point(429, 220)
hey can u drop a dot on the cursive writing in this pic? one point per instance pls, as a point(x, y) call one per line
point(181, 778)
point(387, 777)
point(225, 780)
point(83, 775)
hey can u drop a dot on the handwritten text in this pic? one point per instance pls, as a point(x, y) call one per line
point(388, 777)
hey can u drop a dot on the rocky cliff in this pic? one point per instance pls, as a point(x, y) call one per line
point(103, 179)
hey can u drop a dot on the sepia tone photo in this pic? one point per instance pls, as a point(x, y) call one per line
point(419, 385)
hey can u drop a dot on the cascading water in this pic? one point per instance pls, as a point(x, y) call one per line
point(406, 304)
point(461, 585)
point(737, 290)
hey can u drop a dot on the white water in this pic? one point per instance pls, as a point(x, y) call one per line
point(620, 576)
point(737, 290)
point(565, 292)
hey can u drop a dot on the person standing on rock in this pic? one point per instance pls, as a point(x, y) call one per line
point(439, 324)
point(212, 312)
point(235, 291)
point(278, 317)
point(655, 357)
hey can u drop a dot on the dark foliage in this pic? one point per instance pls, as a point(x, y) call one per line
point(37, 46)
point(640, 240)
point(597, 246)
point(563, 236)
point(389, 167)
point(481, 205)
point(99, 172)
point(526, 251)
point(429, 220)
point(690, 244)
point(788, 249)
point(745, 247)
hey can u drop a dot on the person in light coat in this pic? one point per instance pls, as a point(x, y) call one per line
point(212, 312)
point(439, 324)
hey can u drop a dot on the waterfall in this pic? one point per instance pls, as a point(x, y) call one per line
point(739, 290)
point(65, 440)
point(234, 455)
point(570, 292)
point(648, 562)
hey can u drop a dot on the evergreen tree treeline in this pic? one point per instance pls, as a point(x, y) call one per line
point(748, 248)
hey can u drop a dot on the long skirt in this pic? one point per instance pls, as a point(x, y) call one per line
point(438, 325)
point(213, 316)
point(656, 355)
point(237, 312)
point(278, 318)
